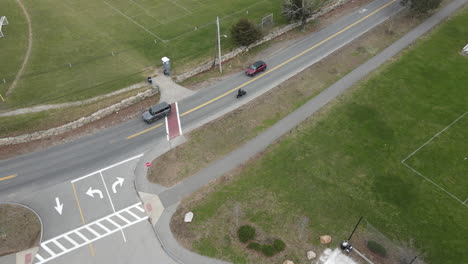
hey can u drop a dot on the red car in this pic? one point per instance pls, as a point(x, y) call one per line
point(256, 67)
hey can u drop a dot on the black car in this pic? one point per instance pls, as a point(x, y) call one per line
point(256, 67)
point(156, 112)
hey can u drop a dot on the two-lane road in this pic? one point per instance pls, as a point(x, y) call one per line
point(57, 164)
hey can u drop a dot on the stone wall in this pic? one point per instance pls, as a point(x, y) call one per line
point(80, 122)
point(275, 33)
point(129, 101)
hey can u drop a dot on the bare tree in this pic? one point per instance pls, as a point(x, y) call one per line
point(300, 10)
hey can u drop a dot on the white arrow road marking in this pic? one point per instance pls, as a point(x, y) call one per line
point(362, 11)
point(91, 192)
point(59, 206)
point(118, 182)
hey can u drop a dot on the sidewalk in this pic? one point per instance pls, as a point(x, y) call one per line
point(170, 197)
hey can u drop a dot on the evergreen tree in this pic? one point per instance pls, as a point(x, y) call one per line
point(245, 32)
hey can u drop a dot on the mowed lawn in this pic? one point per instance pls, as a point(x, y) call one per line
point(87, 47)
point(345, 162)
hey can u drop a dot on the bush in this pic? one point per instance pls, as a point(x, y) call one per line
point(377, 248)
point(245, 32)
point(421, 6)
point(246, 233)
point(279, 245)
point(268, 250)
point(255, 246)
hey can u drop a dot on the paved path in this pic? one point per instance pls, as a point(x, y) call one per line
point(171, 197)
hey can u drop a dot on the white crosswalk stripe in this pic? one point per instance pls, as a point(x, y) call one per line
point(46, 253)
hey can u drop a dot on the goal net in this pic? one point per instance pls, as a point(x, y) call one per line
point(3, 22)
point(267, 21)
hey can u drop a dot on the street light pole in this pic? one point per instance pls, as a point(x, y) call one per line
point(219, 46)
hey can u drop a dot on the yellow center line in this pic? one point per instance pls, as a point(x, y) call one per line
point(144, 131)
point(8, 177)
point(91, 248)
point(277, 67)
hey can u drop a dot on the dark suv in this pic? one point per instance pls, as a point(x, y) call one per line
point(256, 67)
point(156, 112)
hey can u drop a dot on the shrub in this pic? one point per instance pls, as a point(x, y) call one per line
point(421, 6)
point(255, 246)
point(268, 250)
point(377, 248)
point(246, 233)
point(245, 32)
point(279, 245)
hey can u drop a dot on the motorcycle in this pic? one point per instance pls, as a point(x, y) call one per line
point(241, 93)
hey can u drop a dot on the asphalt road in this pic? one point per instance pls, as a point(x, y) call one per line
point(64, 162)
point(68, 171)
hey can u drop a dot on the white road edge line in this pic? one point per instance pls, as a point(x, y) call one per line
point(178, 117)
point(112, 204)
point(167, 129)
point(106, 168)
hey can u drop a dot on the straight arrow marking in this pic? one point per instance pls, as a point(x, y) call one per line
point(59, 206)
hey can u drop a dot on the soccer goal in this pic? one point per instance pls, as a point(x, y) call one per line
point(3, 22)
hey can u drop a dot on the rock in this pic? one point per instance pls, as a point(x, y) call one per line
point(188, 217)
point(325, 239)
point(288, 262)
point(465, 50)
point(311, 255)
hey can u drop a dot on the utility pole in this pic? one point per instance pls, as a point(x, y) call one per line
point(219, 46)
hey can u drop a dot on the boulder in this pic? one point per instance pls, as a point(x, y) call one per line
point(188, 217)
point(465, 50)
point(325, 239)
point(311, 255)
point(288, 262)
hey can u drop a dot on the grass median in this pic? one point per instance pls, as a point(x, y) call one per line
point(346, 162)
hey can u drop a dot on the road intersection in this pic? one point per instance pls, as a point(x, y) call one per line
point(85, 191)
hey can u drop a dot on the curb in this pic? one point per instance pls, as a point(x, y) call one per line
point(27, 256)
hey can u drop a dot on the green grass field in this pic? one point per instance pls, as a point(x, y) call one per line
point(109, 43)
point(346, 162)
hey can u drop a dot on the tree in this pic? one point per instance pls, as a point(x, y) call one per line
point(421, 6)
point(300, 10)
point(245, 32)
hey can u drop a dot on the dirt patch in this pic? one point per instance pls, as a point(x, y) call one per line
point(207, 144)
point(20, 229)
point(108, 121)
